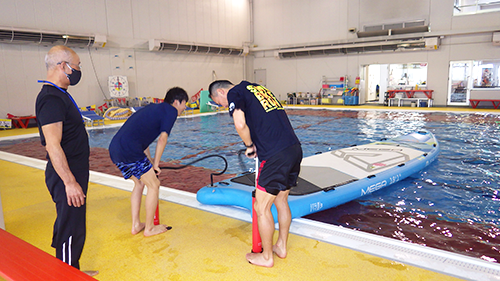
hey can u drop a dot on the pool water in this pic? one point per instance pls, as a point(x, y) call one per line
point(453, 204)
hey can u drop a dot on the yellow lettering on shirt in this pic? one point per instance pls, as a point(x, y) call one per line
point(266, 98)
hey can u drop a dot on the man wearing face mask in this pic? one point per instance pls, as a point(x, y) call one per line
point(63, 134)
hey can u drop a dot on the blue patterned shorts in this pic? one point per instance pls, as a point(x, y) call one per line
point(136, 169)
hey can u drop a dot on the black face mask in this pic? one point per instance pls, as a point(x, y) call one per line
point(75, 75)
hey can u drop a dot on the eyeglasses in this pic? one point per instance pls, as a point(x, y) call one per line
point(78, 67)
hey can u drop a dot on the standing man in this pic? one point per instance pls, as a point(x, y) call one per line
point(64, 136)
point(262, 124)
point(129, 150)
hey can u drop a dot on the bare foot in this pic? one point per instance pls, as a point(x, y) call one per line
point(281, 253)
point(91, 272)
point(138, 228)
point(157, 229)
point(258, 259)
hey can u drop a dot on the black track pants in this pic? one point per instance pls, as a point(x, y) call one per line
point(70, 225)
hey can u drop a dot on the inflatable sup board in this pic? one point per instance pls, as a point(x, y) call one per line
point(333, 178)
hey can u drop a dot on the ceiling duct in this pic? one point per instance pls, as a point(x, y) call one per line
point(352, 48)
point(24, 36)
point(157, 45)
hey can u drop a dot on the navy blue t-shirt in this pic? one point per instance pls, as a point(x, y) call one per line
point(140, 130)
point(269, 126)
point(52, 106)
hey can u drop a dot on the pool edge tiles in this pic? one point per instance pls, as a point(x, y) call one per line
point(424, 257)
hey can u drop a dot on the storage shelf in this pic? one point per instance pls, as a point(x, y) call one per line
point(332, 89)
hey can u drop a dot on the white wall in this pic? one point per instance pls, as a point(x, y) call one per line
point(286, 22)
point(128, 26)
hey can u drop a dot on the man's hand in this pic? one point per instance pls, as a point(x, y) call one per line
point(251, 152)
point(157, 170)
point(160, 147)
point(75, 195)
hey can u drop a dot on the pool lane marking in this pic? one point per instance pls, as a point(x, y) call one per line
point(412, 254)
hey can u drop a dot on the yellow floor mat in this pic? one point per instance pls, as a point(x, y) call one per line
point(201, 245)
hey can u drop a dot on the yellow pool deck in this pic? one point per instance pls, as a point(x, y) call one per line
point(210, 242)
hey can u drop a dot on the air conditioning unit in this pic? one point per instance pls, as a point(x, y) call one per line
point(30, 36)
point(193, 48)
point(432, 43)
point(351, 48)
point(496, 38)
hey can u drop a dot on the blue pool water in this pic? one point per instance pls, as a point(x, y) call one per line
point(462, 183)
point(459, 190)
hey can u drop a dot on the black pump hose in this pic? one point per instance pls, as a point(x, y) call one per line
point(198, 160)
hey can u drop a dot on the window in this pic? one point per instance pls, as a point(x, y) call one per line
point(485, 74)
point(402, 76)
point(459, 90)
point(477, 76)
point(467, 7)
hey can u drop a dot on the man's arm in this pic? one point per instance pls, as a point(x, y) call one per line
point(241, 126)
point(53, 136)
point(160, 147)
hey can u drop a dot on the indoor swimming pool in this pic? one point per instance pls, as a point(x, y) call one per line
point(453, 204)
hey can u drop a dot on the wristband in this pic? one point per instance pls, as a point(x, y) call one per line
point(248, 146)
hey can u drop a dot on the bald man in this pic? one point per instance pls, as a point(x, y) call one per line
point(63, 134)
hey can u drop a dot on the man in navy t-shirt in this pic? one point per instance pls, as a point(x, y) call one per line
point(129, 150)
point(262, 124)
